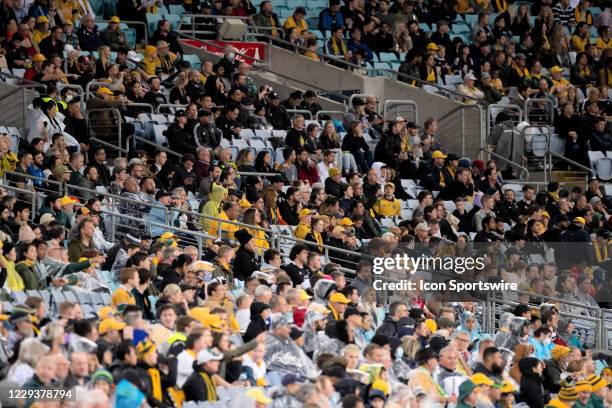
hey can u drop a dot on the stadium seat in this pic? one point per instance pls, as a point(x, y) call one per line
point(130, 37)
point(557, 145)
point(152, 20)
point(387, 57)
point(193, 60)
point(471, 19)
point(594, 156)
point(246, 134)
point(263, 133)
point(604, 168)
point(453, 79)
point(176, 9)
point(160, 138)
point(241, 143)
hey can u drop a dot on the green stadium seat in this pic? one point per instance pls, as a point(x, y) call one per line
point(194, 60)
point(176, 9)
point(388, 57)
point(152, 20)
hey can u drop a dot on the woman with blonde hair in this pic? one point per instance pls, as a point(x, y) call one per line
point(244, 160)
point(114, 77)
point(560, 47)
point(520, 22)
point(103, 62)
point(545, 16)
point(52, 335)
point(402, 38)
point(253, 217)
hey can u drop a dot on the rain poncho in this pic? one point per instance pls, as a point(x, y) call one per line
point(516, 333)
point(475, 332)
point(284, 356)
point(218, 193)
point(322, 289)
point(504, 331)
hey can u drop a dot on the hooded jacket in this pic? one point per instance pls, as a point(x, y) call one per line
point(516, 333)
point(212, 209)
point(504, 333)
point(532, 390)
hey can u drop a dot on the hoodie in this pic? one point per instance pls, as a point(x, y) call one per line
point(212, 208)
point(532, 391)
point(475, 332)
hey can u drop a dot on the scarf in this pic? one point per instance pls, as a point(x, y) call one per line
point(601, 253)
point(335, 49)
point(156, 388)
point(211, 390)
point(502, 5)
point(522, 72)
point(28, 263)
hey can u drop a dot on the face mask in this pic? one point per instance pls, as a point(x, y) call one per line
point(334, 399)
point(232, 55)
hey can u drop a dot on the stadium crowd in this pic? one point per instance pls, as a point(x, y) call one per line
point(298, 326)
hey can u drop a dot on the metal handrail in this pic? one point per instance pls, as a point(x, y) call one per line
point(300, 112)
point(504, 106)
point(269, 70)
point(348, 65)
point(25, 83)
point(128, 22)
point(117, 117)
point(169, 105)
point(147, 141)
point(142, 105)
point(505, 159)
point(399, 102)
point(570, 161)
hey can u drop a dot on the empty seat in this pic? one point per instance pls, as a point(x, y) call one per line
point(241, 144)
point(263, 133)
point(594, 156)
point(246, 134)
point(604, 168)
point(193, 60)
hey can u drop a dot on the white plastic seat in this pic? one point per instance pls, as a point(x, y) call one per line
point(160, 139)
point(246, 134)
point(240, 144)
point(557, 145)
point(263, 133)
point(604, 168)
point(257, 144)
point(594, 156)
point(453, 79)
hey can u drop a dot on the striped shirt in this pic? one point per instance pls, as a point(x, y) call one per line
point(564, 16)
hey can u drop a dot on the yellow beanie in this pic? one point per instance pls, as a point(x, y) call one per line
point(583, 386)
point(431, 325)
point(597, 383)
point(381, 385)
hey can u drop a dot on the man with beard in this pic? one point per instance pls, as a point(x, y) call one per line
point(448, 377)
point(206, 182)
point(147, 189)
point(492, 364)
point(21, 319)
point(461, 187)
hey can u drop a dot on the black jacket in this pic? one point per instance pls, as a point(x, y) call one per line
point(456, 189)
point(388, 149)
point(195, 388)
point(297, 275)
point(208, 135)
point(532, 389)
point(388, 327)
point(332, 187)
point(256, 326)
point(289, 213)
point(278, 117)
point(179, 139)
point(244, 264)
point(352, 144)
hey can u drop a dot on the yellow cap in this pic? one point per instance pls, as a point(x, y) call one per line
point(304, 295)
point(105, 90)
point(42, 19)
point(432, 47)
point(580, 220)
point(305, 212)
point(381, 385)
point(507, 387)
point(115, 19)
point(559, 351)
point(389, 184)
point(167, 235)
point(438, 155)
point(201, 266)
point(346, 222)
point(481, 379)
point(110, 323)
point(556, 69)
point(338, 298)
point(65, 200)
point(546, 214)
point(244, 203)
point(258, 395)
point(39, 58)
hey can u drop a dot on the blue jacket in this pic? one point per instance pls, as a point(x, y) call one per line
point(36, 172)
point(158, 216)
point(353, 47)
point(327, 21)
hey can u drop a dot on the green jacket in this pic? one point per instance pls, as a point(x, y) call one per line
point(29, 276)
point(76, 249)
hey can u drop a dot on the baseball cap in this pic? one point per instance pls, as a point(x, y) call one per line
point(115, 19)
point(471, 77)
point(204, 356)
point(485, 75)
point(438, 155)
point(556, 69)
point(291, 378)
point(338, 298)
point(42, 19)
point(422, 226)
point(412, 125)
point(482, 379)
point(179, 112)
point(46, 218)
point(595, 200)
point(273, 95)
point(105, 90)
point(162, 193)
point(305, 212)
point(579, 220)
point(346, 222)
point(432, 46)
point(110, 323)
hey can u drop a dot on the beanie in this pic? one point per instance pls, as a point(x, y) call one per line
point(558, 352)
point(583, 386)
point(568, 394)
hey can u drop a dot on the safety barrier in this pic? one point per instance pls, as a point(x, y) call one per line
point(467, 120)
point(514, 111)
point(393, 108)
point(105, 126)
point(150, 143)
point(524, 175)
point(128, 23)
point(540, 111)
point(170, 106)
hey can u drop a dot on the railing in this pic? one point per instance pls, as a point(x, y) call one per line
point(411, 114)
point(371, 71)
point(300, 112)
point(77, 88)
point(582, 167)
point(169, 105)
point(91, 85)
point(595, 326)
point(515, 110)
point(24, 83)
point(457, 121)
point(101, 127)
point(524, 170)
point(148, 106)
point(540, 111)
point(261, 65)
point(150, 143)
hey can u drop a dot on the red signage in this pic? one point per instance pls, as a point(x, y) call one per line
point(255, 50)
